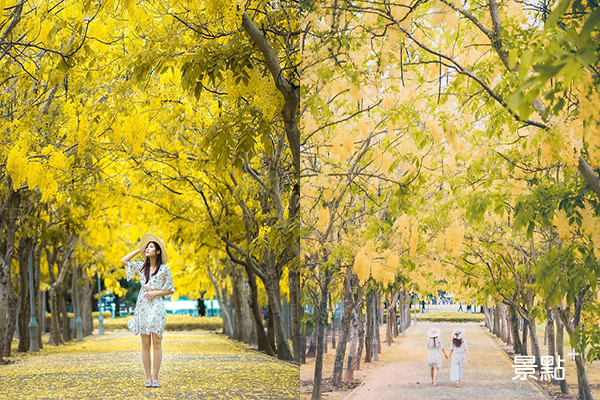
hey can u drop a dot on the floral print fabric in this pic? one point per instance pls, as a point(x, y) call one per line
point(150, 315)
point(434, 360)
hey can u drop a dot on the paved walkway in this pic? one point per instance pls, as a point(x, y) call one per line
point(196, 365)
point(488, 375)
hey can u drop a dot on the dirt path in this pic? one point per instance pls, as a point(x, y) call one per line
point(488, 375)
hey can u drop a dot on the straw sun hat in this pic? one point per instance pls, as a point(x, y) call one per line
point(147, 238)
point(459, 334)
point(434, 332)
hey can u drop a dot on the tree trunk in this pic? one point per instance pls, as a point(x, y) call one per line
point(585, 391)
point(302, 337)
point(55, 337)
point(261, 335)
point(8, 229)
point(12, 319)
point(349, 375)
point(25, 245)
point(389, 338)
point(332, 329)
point(274, 295)
point(496, 330)
point(550, 332)
point(237, 303)
point(488, 318)
point(271, 328)
point(525, 329)
point(361, 332)
point(394, 302)
point(296, 335)
point(325, 335)
point(564, 388)
point(505, 325)
point(228, 329)
point(312, 346)
point(39, 299)
point(222, 305)
point(85, 301)
point(248, 333)
point(369, 327)
point(353, 354)
point(378, 319)
point(514, 323)
point(535, 343)
point(340, 354)
point(321, 322)
point(62, 302)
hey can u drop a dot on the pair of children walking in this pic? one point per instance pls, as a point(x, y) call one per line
point(458, 348)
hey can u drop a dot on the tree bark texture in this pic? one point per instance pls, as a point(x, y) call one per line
point(340, 353)
point(25, 246)
point(560, 334)
point(369, 326)
point(321, 322)
point(8, 228)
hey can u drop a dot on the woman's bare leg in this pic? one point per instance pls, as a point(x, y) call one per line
point(146, 354)
point(432, 374)
point(157, 343)
point(435, 375)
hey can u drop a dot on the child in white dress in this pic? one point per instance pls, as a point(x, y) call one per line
point(435, 346)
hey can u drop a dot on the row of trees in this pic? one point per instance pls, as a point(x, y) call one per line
point(174, 118)
point(452, 146)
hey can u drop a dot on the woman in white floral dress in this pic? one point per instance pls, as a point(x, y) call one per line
point(150, 315)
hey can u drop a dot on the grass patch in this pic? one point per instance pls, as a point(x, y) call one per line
point(450, 317)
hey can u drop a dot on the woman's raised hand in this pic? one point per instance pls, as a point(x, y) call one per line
point(129, 256)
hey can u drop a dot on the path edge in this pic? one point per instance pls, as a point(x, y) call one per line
point(536, 384)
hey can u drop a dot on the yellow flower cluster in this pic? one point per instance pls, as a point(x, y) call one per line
point(590, 225)
point(16, 165)
point(43, 179)
point(342, 146)
point(453, 240)
point(561, 222)
point(133, 132)
point(230, 10)
point(323, 220)
point(592, 137)
point(266, 95)
point(362, 264)
point(408, 228)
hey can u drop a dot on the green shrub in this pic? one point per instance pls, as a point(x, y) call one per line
point(174, 323)
point(450, 317)
point(105, 314)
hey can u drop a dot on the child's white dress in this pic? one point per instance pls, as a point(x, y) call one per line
point(435, 346)
point(150, 315)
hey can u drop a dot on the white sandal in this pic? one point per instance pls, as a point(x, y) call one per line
point(148, 383)
point(155, 383)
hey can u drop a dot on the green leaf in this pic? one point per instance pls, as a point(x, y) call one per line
point(512, 58)
point(558, 12)
point(526, 61)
